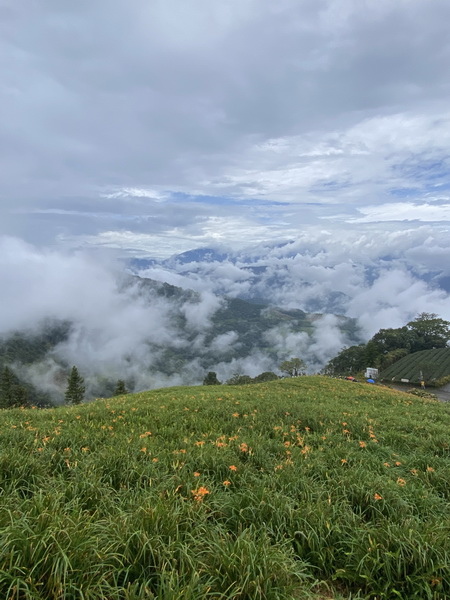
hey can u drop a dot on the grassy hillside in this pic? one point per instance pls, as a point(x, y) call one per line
point(433, 364)
point(299, 488)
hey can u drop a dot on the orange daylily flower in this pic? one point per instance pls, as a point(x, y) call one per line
point(200, 493)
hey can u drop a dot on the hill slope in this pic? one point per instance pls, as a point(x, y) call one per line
point(434, 365)
point(228, 492)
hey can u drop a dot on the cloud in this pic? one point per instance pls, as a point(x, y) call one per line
point(225, 342)
point(121, 328)
point(198, 314)
point(404, 212)
point(394, 298)
point(381, 281)
point(123, 129)
point(118, 329)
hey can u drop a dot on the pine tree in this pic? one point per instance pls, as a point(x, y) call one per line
point(75, 388)
point(120, 388)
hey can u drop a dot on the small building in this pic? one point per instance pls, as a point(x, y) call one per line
point(371, 373)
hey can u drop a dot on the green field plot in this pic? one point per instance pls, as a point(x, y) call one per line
point(301, 488)
point(432, 365)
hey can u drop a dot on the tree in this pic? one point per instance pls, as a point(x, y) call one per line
point(293, 367)
point(349, 361)
point(387, 340)
point(211, 379)
point(430, 332)
point(6, 384)
point(266, 376)
point(391, 357)
point(120, 388)
point(12, 393)
point(75, 388)
point(239, 379)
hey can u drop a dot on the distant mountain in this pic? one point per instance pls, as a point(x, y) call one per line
point(323, 279)
point(206, 255)
point(189, 334)
point(202, 255)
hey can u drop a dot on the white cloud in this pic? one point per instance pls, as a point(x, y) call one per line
point(404, 211)
point(198, 314)
point(343, 107)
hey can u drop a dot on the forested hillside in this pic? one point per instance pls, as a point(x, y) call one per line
point(389, 346)
point(174, 335)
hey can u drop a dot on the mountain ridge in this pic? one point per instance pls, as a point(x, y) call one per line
point(200, 332)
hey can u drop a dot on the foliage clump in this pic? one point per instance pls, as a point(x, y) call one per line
point(120, 388)
point(211, 379)
point(422, 394)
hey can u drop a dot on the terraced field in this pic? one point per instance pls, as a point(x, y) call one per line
point(431, 365)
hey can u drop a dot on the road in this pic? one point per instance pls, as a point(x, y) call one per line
point(442, 393)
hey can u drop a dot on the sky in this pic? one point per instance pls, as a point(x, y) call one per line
point(156, 127)
point(307, 140)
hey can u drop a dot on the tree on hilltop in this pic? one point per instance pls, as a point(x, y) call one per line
point(75, 387)
point(293, 367)
point(430, 331)
point(239, 379)
point(120, 388)
point(348, 362)
point(211, 379)
point(265, 376)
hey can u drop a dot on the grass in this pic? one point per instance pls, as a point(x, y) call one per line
point(296, 489)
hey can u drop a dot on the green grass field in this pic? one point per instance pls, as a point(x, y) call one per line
point(299, 488)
